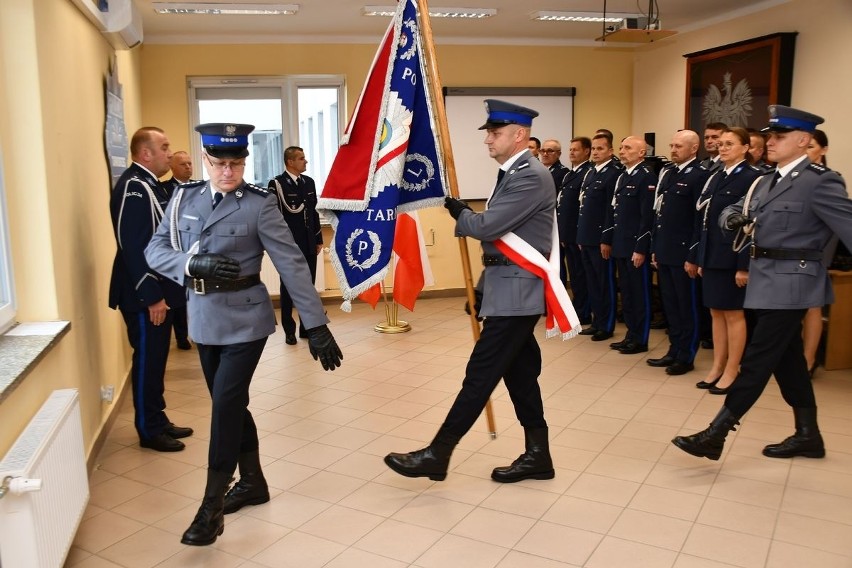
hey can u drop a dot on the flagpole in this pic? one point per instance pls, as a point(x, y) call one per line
point(434, 86)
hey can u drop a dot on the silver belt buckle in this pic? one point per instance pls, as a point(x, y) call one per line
point(198, 286)
point(752, 251)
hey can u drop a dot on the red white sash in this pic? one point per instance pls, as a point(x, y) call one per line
point(561, 317)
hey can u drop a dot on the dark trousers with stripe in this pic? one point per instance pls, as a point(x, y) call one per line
point(600, 281)
point(507, 349)
point(150, 345)
point(228, 371)
point(288, 324)
point(775, 348)
point(579, 285)
point(635, 286)
point(680, 304)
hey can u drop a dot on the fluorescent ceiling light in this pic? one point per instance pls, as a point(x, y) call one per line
point(434, 12)
point(579, 17)
point(225, 9)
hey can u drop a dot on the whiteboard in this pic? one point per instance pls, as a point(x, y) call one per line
point(475, 170)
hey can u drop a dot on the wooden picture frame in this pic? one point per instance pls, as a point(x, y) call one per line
point(735, 83)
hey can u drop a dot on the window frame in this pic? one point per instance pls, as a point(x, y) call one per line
point(289, 86)
point(8, 305)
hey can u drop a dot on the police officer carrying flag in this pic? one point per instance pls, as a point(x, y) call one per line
point(212, 239)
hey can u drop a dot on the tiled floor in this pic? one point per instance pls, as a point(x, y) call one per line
point(623, 496)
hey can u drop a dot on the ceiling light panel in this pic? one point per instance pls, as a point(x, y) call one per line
point(225, 9)
point(470, 13)
point(550, 16)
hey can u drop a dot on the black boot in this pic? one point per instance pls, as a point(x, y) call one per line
point(432, 461)
point(209, 522)
point(535, 463)
point(806, 442)
point(709, 443)
point(251, 489)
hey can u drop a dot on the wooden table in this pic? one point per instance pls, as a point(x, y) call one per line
point(838, 341)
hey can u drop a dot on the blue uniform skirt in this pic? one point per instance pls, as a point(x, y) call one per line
point(720, 290)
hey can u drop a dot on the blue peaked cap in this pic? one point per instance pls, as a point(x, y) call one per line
point(501, 113)
point(222, 140)
point(786, 118)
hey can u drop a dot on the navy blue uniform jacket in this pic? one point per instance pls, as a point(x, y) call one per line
point(136, 205)
point(595, 198)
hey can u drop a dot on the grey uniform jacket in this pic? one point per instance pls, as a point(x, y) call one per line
point(523, 202)
point(801, 212)
point(244, 225)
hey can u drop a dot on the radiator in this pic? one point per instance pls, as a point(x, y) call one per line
point(45, 486)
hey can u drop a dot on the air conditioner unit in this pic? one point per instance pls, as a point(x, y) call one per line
point(121, 24)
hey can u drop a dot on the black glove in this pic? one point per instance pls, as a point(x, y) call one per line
point(477, 304)
point(455, 206)
point(324, 348)
point(737, 220)
point(215, 266)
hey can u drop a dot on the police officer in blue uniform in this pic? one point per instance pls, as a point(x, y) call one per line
point(567, 217)
point(674, 244)
point(213, 238)
point(630, 240)
point(181, 166)
point(792, 215)
point(297, 200)
point(145, 298)
point(513, 300)
point(724, 270)
point(596, 194)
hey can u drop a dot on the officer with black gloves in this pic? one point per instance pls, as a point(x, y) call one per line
point(212, 239)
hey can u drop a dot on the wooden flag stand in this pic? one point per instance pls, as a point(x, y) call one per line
point(435, 89)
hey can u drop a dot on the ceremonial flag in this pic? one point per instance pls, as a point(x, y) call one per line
point(412, 271)
point(389, 162)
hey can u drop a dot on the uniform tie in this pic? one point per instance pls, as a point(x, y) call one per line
point(217, 199)
point(775, 179)
point(500, 174)
point(300, 182)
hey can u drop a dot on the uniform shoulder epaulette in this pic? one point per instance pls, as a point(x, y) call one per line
point(819, 169)
point(192, 184)
point(262, 191)
point(754, 168)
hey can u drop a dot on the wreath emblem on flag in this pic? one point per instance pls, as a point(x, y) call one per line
point(374, 258)
point(423, 180)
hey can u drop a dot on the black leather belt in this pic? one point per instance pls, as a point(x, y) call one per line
point(495, 260)
point(203, 286)
point(784, 254)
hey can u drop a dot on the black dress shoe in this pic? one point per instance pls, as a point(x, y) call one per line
point(601, 335)
point(812, 370)
point(290, 339)
point(618, 344)
point(679, 368)
point(661, 362)
point(706, 385)
point(720, 390)
point(706, 343)
point(162, 443)
point(588, 331)
point(178, 431)
point(184, 344)
point(659, 324)
point(632, 348)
